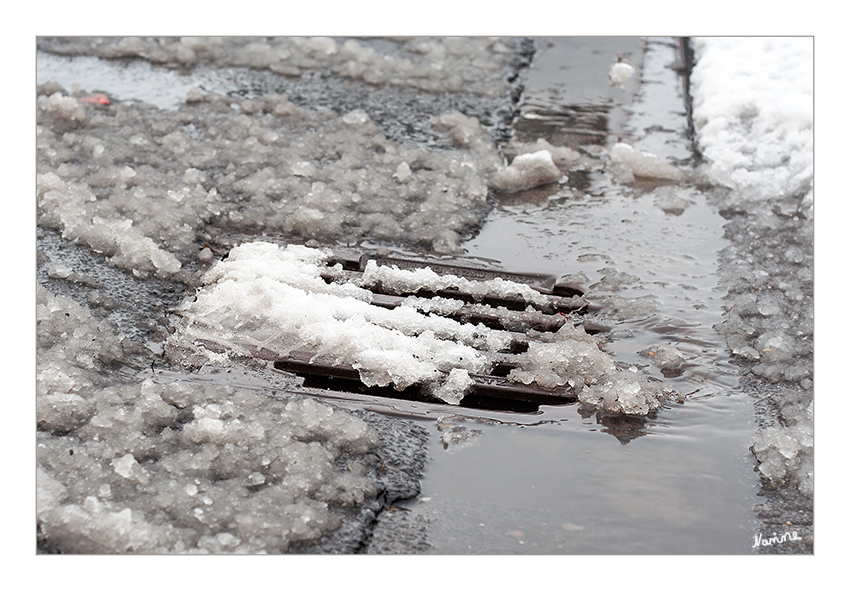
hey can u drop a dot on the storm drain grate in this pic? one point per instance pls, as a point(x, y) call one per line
point(524, 321)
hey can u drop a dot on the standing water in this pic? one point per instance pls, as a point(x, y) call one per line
point(576, 482)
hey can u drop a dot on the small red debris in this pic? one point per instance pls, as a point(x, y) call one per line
point(97, 98)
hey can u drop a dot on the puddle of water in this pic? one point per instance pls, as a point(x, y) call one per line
point(566, 89)
point(681, 482)
point(132, 80)
point(568, 488)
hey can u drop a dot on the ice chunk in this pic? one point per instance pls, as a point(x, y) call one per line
point(573, 358)
point(562, 156)
point(467, 132)
point(644, 164)
point(625, 393)
point(437, 305)
point(568, 361)
point(769, 304)
point(453, 389)
point(358, 117)
point(619, 73)
point(64, 107)
point(786, 453)
point(321, 45)
point(664, 356)
point(59, 270)
point(205, 255)
point(626, 308)
point(402, 172)
point(672, 200)
point(49, 492)
point(401, 281)
point(195, 95)
point(62, 413)
point(459, 437)
point(305, 169)
point(527, 171)
point(127, 467)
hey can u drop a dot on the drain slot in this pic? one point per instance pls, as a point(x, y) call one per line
point(493, 391)
point(523, 319)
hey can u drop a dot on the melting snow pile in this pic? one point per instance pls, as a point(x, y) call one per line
point(288, 299)
point(753, 112)
point(180, 467)
point(787, 452)
point(140, 184)
point(752, 103)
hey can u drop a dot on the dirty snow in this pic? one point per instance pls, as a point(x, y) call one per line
point(147, 467)
point(753, 114)
point(139, 183)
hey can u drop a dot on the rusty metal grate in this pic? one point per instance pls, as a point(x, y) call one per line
point(492, 391)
